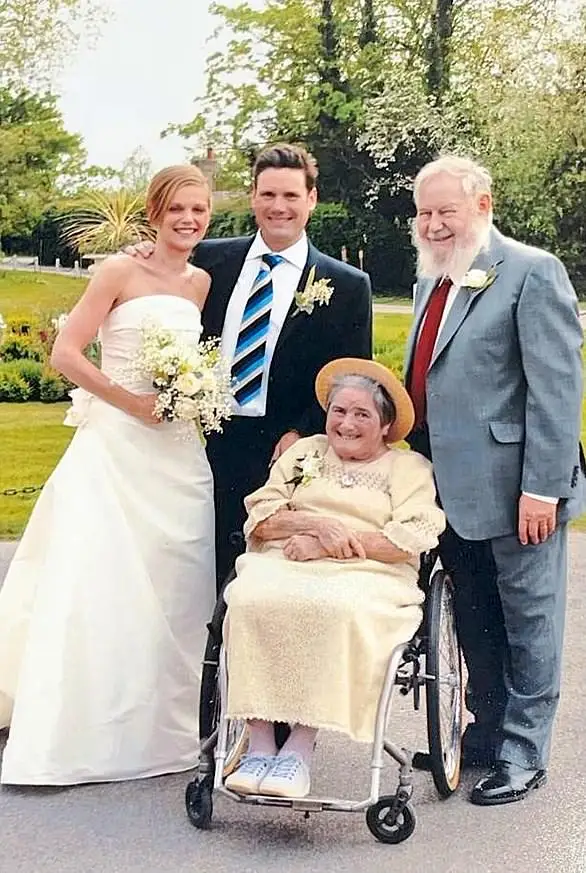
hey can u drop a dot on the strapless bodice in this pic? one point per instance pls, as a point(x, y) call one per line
point(121, 333)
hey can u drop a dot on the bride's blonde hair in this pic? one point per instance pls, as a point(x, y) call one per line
point(165, 185)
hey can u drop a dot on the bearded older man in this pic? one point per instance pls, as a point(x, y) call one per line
point(494, 370)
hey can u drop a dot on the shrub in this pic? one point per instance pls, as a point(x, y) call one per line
point(30, 371)
point(13, 388)
point(20, 347)
point(53, 388)
point(391, 358)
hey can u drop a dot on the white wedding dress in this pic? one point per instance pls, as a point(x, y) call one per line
point(103, 610)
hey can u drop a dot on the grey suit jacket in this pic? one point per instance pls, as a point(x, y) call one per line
point(504, 391)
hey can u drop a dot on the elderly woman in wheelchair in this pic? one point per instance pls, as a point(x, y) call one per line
point(328, 586)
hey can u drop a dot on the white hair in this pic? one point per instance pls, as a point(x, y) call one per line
point(474, 178)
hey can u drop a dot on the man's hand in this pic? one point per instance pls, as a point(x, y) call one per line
point(142, 249)
point(284, 443)
point(303, 547)
point(537, 520)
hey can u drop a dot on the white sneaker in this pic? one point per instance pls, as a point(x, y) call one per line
point(247, 777)
point(289, 777)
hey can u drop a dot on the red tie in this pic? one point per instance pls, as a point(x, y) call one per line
point(425, 346)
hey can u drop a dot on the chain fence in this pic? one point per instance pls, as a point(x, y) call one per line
point(28, 489)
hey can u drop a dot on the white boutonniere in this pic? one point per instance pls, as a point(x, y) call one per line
point(480, 280)
point(306, 469)
point(315, 292)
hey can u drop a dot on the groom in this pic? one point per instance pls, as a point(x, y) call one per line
point(274, 358)
point(275, 350)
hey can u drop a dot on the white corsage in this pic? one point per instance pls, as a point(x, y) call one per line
point(307, 469)
point(315, 292)
point(78, 412)
point(480, 280)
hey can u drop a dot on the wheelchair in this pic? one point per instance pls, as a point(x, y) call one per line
point(432, 660)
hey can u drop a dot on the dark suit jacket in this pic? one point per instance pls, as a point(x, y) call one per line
point(306, 342)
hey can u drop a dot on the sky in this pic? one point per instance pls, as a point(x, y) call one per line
point(142, 74)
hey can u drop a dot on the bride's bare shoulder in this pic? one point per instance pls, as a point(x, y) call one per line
point(199, 277)
point(118, 266)
point(200, 282)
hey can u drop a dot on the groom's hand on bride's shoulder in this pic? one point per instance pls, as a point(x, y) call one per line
point(142, 249)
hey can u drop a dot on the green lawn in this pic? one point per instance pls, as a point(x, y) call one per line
point(22, 292)
point(32, 437)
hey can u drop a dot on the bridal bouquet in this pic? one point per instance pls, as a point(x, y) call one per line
point(193, 383)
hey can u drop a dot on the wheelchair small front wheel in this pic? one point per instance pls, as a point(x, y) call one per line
point(444, 685)
point(390, 824)
point(198, 804)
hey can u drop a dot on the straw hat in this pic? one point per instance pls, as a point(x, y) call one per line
point(360, 367)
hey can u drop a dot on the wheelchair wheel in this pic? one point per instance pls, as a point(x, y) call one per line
point(198, 803)
point(389, 825)
point(444, 686)
point(209, 699)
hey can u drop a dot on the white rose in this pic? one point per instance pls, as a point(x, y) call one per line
point(474, 279)
point(311, 466)
point(208, 380)
point(188, 383)
point(186, 409)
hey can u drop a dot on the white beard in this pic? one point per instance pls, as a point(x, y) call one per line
point(455, 261)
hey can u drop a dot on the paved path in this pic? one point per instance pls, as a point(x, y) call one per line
point(140, 827)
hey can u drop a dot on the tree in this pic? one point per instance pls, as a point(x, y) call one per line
point(106, 221)
point(137, 171)
point(438, 49)
point(36, 35)
point(376, 88)
point(35, 153)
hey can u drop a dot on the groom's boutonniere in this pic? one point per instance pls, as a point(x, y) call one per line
point(314, 292)
point(307, 469)
point(480, 280)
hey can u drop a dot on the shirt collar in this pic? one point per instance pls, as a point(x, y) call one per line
point(295, 254)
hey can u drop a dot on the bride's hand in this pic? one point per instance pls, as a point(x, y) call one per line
point(143, 408)
point(142, 249)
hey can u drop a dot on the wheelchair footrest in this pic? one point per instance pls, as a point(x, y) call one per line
point(302, 804)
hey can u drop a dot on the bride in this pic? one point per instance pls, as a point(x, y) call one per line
point(103, 610)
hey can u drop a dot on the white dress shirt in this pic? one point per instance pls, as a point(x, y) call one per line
point(286, 276)
point(452, 294)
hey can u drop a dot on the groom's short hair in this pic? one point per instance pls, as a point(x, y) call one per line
point(289, 157)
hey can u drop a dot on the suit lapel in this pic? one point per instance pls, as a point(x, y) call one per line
point(422, 295)
point(291, 324)
point(225, 277)
point(466, 297)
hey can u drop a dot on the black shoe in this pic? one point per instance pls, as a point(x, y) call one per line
point(471, 758)
point(506, 783)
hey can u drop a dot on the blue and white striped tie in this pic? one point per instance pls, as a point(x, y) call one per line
point(249, 356)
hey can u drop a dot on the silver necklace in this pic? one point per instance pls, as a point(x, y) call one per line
point(349, 479)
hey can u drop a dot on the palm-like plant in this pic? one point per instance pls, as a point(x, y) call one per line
point(106, 221)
